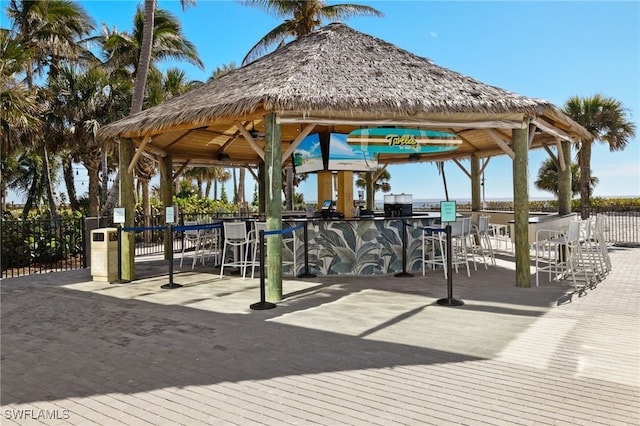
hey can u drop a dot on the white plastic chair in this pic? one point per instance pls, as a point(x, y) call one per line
point(254, 242)
point(562, 254)
point(500, 234)
point(210, 243)
point(482, 247)
point(254, 236)
point(433, 241)
point(598, 234)
point(291, 238)
point(459, 255)
point(550, 253)
point(236, 238)
point(192, 238)
point(459, 234)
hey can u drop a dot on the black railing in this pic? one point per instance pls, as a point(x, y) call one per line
point(40, 246)
point(621, 225)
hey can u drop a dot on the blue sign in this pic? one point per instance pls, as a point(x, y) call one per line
point(447, 211)
point(391, 140)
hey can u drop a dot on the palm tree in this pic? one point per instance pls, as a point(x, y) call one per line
point(19, 108)
point(300, 18)
point(440, 166)
point(29, 179)
point(51, 31)
point(222, 176)
point(82, 100)
point(197, 173)
point(606, 119)
point(548, 178)
point(19, 121)
point(157, 35)
point(379, 184)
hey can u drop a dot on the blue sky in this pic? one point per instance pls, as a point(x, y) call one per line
point(543, 49)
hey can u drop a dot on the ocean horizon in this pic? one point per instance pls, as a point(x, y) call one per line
point(431, 202)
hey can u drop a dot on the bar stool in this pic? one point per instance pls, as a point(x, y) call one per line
point(291, 238)
point(550, 253)
point(235, 237)
point(481, 232)
point(254, 242)
point(436, 237)
point(433, 238)
point(459, 235)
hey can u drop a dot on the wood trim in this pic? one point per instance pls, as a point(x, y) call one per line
point(459, 164)
point(245, 133)
point(502, 144)
point(138, 153)
point(303, 134)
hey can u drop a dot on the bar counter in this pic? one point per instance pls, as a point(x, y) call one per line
point(359, 246)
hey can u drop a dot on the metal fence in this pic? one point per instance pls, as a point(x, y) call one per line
point(40, 246)
point(621, 226)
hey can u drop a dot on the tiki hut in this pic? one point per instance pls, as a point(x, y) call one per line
point(337, 79)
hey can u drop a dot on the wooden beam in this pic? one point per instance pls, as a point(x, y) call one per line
point(563, 166)
point(440, 124)
point(303, 134)
point(476, 201)
point(127, 246)
point(564, 179)
point(180, 170)
point(532, 133)
point(253, 173)
point(502, 144)
point(245, 133)
point(485, 163)
point(273, 207)
point(547, 127)
point(166, 193)
point(521, 207)
point(258, 115)
point(138, 153)
point(459, 164)
point(378, 173)
point(552, 155)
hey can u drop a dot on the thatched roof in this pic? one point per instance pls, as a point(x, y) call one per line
point(340, 79)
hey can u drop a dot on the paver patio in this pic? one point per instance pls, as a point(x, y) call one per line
point(336, 351)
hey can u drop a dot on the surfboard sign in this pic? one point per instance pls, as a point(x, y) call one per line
point(391, 140)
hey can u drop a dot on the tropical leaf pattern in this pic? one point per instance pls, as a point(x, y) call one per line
point(359, 247)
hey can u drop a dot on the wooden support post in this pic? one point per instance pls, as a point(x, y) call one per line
point(325, 187)
point(166, 193)
point(126, 152)
point(520, 141)
point(476, 203)
point(370, 195)
point(345, 193)
point(564, 179)
point(261, 189)
point(273, 197)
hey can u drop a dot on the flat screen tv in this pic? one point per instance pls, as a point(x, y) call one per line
point(308, 156)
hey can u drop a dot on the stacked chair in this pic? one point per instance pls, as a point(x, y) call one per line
point(579, 253)
point(481, 243)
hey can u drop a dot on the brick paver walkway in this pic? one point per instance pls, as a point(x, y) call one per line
point(337, 351)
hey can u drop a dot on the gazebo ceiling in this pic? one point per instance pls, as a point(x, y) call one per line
point(336, 80)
